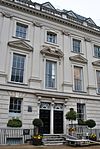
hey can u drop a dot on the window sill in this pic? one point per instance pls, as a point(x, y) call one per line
point(21, 38)
point(54, 44)
point(77, 52)
point(49, 88)
point(77, 91)
point(96, 57)
point(17, 83)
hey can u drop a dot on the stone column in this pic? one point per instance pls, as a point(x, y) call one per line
point(52, 116)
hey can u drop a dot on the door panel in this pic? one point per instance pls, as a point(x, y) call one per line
point(58, 122)
point(45, 117)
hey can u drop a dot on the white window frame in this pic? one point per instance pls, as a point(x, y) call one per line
point(25, 79)
point(55, 75)
point(81, 44)
point(17, 105)
point(97, 82)
point(53, 32)
point(82, 78)
point(84, 117)
point(96, 56)
point(26, 23)
point(78, 41)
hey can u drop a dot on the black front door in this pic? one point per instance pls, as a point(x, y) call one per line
point(45, 117)
point(58, 122)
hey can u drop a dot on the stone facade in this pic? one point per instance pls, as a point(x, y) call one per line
point(40, 22)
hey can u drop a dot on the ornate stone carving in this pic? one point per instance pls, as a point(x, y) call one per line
point(78, 58)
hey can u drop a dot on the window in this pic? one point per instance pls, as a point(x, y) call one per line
point(76, 45)
point(18, 68)
point(15, 105)
point(51, 37)
point(29, 108)
point(98, 81)
point(50, 76)
point(97, 51)
point(81, 111)
point(21, 30)
point(78, 82)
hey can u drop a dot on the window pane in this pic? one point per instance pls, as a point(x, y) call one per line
point(18, 68)
point(50, 76)
point(81, 111)
point(98, 81)
point(21, 30)
point(76, 45)
point(97, 51)
point(51, 37)
point(15, 105)
point(78, 83)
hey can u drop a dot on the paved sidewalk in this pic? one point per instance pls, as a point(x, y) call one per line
point(46, 147)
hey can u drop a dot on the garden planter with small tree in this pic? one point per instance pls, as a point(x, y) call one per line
point(37, 138)
point(71, 116)
point(91, 124)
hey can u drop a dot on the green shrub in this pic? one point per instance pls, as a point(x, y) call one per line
point(37, 122)
point(71, 115)
point(15, 122)
point(90, 123)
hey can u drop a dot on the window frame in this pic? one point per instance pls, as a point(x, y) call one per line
point(82, 80)
point(81, 113)
point(25, 67)
point(52, 32)
point(76, 48)
point(98, 89)
point(52, 61)
point(18, 69)
point(96, 53)
point(23, 22)
point(21, 30)
point(15, 105)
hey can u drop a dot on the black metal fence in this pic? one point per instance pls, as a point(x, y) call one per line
point(15, 135)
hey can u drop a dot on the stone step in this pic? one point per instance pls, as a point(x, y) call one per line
point(53, 139)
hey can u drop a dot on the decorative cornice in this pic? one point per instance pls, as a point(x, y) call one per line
point(66, 33)
point(51, 17)
point(37, 24)
point(87, 39)
point(52, 52)
point(20, 44)
point(96, 63)
point(78, 58)
point(6, 14)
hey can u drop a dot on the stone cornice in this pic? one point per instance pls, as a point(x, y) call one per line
point(36, 12)
point(78, 58)
point(96, 63)
point(20, 44)
point(53, 52)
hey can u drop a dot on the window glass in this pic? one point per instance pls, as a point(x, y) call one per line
point(76, 45)
point(97, 51)
point(15, 105)
point(50, 76)
point(18, 68)
point(78, 79)
point(21, 30)
point(51, 37)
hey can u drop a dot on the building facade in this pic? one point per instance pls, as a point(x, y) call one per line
point(49, 63)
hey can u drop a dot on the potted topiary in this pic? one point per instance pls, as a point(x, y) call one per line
point(91, 123)
point(71, 116)
point(14, 122)
point(37, 138)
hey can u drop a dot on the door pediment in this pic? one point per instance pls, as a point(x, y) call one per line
point(78, 58)
point(96, 63)
point(52, 52)
point(20, 44)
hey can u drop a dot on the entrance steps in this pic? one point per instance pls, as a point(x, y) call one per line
point(56, 139)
